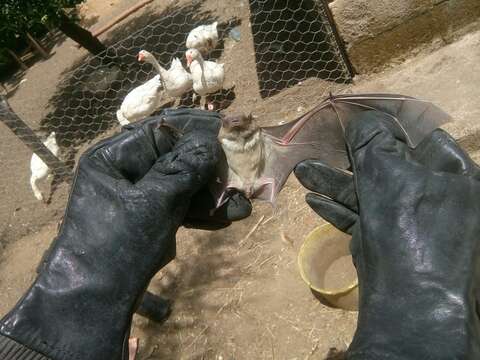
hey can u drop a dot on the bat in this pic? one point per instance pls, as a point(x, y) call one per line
point(258, 160)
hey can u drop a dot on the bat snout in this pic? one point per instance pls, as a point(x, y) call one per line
point(233, 122)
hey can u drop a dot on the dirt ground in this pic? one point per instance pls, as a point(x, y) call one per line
point(238, 294)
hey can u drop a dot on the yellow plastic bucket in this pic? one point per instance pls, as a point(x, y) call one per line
point(326, 266)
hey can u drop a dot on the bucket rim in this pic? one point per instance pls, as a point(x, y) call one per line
point(312, 235)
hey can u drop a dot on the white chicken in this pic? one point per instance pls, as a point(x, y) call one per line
point(208, 76)
point(39, 169)
point(141, 101)
point(203, 38)
point(176, 81)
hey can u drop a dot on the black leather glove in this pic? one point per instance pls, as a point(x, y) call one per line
point(415, 226)
point(130, 195)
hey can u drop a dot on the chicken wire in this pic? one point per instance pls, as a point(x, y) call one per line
point(290, 42)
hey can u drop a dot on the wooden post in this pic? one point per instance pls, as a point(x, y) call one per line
point(30, 139)
point(17, 59)
point(37, 46)
point(119, 18)
point(337, 38)
point(4, 88)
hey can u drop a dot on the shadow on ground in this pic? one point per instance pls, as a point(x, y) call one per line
point(205, 264)
point(11, 81)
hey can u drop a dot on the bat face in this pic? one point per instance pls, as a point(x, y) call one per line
point(259, 160)
point(237, 127)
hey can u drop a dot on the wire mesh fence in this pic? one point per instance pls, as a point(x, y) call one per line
point(266, 46)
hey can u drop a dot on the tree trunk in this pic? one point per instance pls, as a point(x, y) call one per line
point(80, 35)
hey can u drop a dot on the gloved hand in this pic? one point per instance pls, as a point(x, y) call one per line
point(415, 220)
point(130, 194)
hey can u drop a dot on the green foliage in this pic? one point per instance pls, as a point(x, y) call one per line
point(6, 62)
point(20, 16)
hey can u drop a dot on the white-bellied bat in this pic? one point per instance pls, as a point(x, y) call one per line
point(260, 159)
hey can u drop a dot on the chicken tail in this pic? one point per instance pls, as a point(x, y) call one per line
point(36, 191)
point(122, 119)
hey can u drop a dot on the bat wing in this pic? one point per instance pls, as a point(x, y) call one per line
point(319, 134)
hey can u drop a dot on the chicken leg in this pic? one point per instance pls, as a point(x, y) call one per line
point(203, 101)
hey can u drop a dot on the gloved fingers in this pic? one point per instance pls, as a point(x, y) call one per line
point(182, 172)
point(356, 248)
point(374, 143)
point(193, 119)
point(237, 207)
point(200, 214)
point(325, 180)
point(174, 123)
point(128, 155)
point(131, 154)
point(336, 214)
point(440, 152)
point(183, 119)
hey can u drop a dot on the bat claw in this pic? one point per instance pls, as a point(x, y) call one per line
point(268, 186)
point(132, 348)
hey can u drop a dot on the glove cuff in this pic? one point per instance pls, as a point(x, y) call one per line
point(395, 327)
point(12, 350)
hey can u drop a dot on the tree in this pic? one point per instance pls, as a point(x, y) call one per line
point(18, 16)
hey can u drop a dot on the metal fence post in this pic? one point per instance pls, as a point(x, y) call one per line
point(30, 139)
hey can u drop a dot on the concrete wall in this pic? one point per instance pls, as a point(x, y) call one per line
point(378, 31)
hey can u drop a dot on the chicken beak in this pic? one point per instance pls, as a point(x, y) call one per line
point(141, 57)
point(189, 60)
